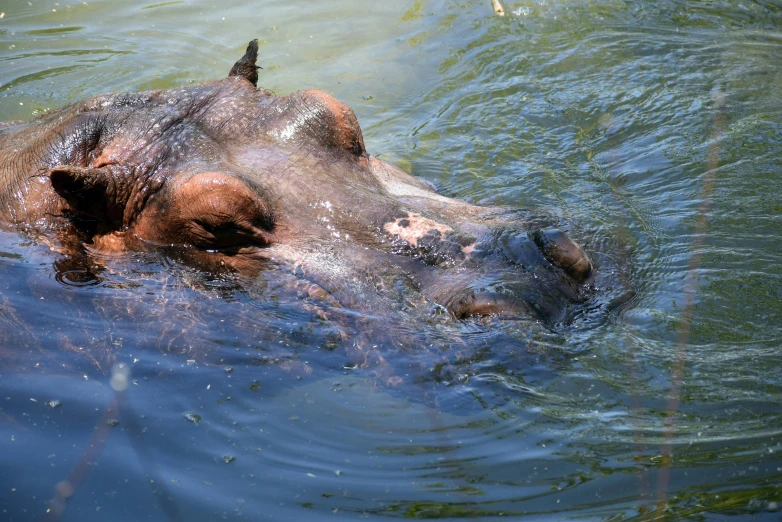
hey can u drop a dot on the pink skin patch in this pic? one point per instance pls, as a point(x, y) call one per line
point(414, 227)
point(468, 250)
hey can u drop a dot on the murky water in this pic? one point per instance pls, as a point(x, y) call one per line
point(655, 128)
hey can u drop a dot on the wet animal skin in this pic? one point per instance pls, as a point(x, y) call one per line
point(236, 178)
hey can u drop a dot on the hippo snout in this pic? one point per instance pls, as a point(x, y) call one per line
point(506, 272)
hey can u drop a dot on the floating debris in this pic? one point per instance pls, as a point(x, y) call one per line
point(229, 458)
point(54, 403)
point(193, 417)
point(523, 11)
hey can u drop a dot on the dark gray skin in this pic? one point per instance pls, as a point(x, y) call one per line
point(236, 178)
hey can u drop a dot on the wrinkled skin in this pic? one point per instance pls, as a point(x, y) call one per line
point(235, 178)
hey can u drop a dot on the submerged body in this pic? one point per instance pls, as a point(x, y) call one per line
point(233, 177)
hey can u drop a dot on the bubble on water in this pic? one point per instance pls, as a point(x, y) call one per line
point(120, 376)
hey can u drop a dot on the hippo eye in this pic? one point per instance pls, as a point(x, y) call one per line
point(229, 235)
point(222, 212)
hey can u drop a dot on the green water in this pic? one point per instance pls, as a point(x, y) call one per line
point(655, 128)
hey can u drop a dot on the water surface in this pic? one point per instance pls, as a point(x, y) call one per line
point(653, 128)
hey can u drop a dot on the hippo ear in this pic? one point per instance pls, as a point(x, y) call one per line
point(88, 191)
point(246, 67)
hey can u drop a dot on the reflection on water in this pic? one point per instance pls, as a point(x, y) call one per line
point(603, 113)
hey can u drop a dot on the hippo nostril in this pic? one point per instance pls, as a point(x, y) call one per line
point(563, 252)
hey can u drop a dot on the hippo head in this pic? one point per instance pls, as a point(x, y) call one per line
point(236, 178)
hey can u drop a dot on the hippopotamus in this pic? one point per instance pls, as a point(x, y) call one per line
point(232, 177)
